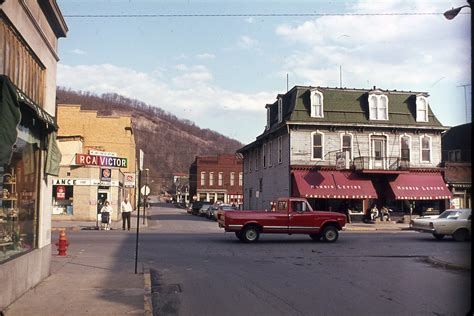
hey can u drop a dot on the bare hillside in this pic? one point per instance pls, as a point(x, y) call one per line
point(170, 143)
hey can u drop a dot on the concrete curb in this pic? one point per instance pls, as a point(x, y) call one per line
point(446, 265)
point(147, 296)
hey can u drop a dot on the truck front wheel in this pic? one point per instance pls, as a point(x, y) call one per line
point(250, 234)
point(330, 234)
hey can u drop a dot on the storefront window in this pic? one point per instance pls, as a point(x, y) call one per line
point(18, 196)
point(63, 197)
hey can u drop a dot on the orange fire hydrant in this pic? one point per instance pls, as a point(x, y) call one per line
point(62, 243)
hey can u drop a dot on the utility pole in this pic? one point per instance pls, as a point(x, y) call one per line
point(145, 197)
point(340, 76)
point(465, 99)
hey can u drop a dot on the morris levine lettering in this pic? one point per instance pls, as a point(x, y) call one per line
point(103, 161)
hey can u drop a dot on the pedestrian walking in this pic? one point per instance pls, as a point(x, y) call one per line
point(106, 215)
point(126, 210)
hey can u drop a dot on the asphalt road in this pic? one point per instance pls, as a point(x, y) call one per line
point(197, 269)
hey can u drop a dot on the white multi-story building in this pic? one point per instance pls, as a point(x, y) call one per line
point(347, 148)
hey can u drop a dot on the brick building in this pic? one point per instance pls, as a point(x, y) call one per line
point(216, 178)
point(348, 149)
point(457, 163)
point(84, 184)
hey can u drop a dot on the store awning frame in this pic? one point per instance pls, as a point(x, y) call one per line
point(335, 184)
point(419, 186)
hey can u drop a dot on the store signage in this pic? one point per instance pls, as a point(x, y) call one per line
point(102, 153)
point(60, 192)
point(103, 161)
point(106, 174)
point(129, 180)
point(93, 182)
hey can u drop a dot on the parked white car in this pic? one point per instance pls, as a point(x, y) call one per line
point(454, 222)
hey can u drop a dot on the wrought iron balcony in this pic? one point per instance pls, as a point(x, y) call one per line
point(380, 163)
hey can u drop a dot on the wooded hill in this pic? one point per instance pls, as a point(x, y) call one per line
point(170, 143)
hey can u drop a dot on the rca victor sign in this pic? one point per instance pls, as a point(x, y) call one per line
point(102, 161)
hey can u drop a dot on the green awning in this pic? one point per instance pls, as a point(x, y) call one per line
point(10, 117)
point(11, 100)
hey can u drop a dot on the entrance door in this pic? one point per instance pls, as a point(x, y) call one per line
point(378, 153)
point(101, 198)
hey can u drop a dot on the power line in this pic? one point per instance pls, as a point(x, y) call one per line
point(210, 15)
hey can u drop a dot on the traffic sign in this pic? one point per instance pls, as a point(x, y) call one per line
point(145, 190)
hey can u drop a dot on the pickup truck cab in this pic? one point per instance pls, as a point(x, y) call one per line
point(291, 216)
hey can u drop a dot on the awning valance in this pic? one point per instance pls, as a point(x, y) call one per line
point(332, 185)
point(10, 117)
point(419, 186)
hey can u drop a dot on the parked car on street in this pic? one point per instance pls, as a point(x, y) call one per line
point(291, 216)
point(196, 206)
point(203, 210)
point(453, 222)
point(211, 210)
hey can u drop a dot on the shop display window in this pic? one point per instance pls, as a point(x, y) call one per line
point(18, 196)
point(63, 197)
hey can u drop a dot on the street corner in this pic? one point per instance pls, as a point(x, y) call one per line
point(464, 266)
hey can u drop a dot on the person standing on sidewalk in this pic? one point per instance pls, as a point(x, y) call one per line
point(106, 215)
point(126, 210)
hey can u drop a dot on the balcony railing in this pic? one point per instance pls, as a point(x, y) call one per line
point(380, 163)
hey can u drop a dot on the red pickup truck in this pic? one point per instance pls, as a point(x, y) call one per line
point(291, 216)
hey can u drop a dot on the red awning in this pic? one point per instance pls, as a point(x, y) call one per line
point(332, 185)
point(419, 186)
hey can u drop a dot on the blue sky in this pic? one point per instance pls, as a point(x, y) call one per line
point(221, 71)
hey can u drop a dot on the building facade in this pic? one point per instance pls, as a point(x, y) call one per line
point(29, 33)
point(457, 163)
point(216, 179)
point(347, 149)
point(98, 163)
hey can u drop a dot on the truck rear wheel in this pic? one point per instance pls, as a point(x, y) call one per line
point(250, 234)
point(330, 234)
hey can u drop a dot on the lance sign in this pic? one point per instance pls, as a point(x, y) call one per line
point(103, 161)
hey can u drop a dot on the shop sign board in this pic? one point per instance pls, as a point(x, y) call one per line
point(129, 180)
point(106, 174)
point(102, 161)
point(102, 153)
point(60, 192)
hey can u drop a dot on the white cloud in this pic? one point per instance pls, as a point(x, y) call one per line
point(78, 51)
point(206, 56)
point(247, 42)
point(249, 20)
point(189, 95)
point(393, 52)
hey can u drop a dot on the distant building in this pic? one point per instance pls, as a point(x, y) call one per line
point(29, 33)
point(181, 187)
point(98, 163)
point(348, 148)
point(216, 178)
point(456, 144)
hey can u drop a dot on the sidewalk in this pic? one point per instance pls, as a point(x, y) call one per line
point(95, 278)
point(377, 226)
point(92, 225)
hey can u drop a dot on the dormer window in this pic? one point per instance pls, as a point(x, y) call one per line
point(280, 110)
point(316, 104)
point(421, 109)
point(378, 107)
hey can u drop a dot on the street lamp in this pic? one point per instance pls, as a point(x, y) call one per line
point(451, 14)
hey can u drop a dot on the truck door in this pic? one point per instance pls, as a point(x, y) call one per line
point(301, 218)
point(277, 221)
